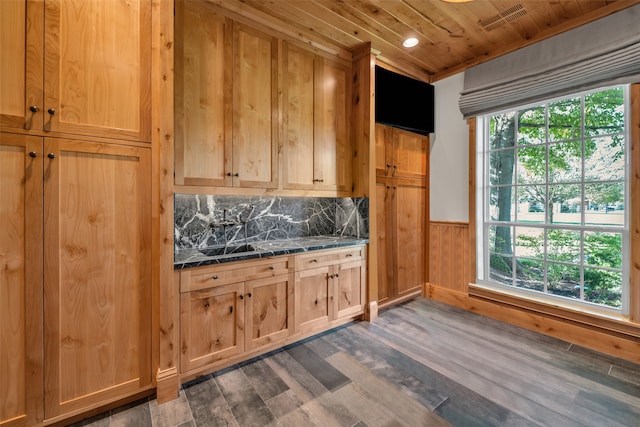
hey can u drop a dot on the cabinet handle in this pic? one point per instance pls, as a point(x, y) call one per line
point(34, 109)
point(313, 260)
point(272, 267)
point(318, 180)
point(51, 111)
point(229, 174)
point(386, 170)
point(233, 174)
point(394, 170)
point(241, 296)
point(249, 295)
point(349, 255)
point(337, 275)
point(316, 301)
point(215, 277)
point(206, 304)
point(33, 154)
point(51, 156)
point(230, 309)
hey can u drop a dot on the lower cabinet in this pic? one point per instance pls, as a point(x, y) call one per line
point(230, 311)
point(329, 285)
point(75, 276)
point(222, 321)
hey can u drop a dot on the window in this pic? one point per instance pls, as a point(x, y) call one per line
point(554, 186)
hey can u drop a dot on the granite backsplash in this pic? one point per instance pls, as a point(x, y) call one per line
point(213, 220)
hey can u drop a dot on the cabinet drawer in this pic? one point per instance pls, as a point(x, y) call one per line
point(224, 274)
point(329, 257)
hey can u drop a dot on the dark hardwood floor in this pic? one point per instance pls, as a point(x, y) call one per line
point(422, 363)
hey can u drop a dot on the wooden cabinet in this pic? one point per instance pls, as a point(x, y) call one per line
point(226, 101)
point(318, 153)
point(75, 277)
point(229, 309)
point(97, 273)
point(20, 280)
point(402, 213)
point(76, 67)
point(401, 154)
point(329, 285)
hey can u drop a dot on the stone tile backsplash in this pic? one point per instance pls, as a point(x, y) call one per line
point(211, 220)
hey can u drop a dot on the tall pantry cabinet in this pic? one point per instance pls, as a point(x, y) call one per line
point(75, 184)
point(402, 160)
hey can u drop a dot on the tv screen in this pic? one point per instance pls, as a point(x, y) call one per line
point(404, 102)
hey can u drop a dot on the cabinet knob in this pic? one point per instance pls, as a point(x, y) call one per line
point(34, 109)
point(51, 111)
point(33, 154)
point(215, 277)
point(51, 156)
point(349, 255)
point(271, 267)
point(241, 296)
point(249, 295)
point(316, 301)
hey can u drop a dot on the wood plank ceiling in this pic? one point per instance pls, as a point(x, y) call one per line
point(452, 36)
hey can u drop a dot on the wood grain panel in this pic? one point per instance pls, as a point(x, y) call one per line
point(299, 113)
point(410, 155)
point(255, 108)
point(312, 306)
point(449, 255)
point(203, 95)
point(211, 325)
point(269, 315)
point(21, 64)
point(383, 240)
point(20, 280)
point(97, 273)
point(410, 228)
point(98, 68)
point(349, 294)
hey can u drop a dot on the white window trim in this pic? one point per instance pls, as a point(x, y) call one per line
point(482, 212)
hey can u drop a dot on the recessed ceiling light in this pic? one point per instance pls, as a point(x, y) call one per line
point(410, 42)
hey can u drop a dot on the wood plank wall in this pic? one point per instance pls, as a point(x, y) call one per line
point(449, 260)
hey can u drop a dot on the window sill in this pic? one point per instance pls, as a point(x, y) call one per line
point(592, 318)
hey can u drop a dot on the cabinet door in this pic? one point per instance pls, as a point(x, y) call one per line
point(97, 77)
point(211, 325)
point(312, 307)
point(318, 150)
point(97, 273)
point(299, 112)
point(203, 95)
point(21, 64)
point(20, 279)
point(255, 109)
point(269, 310)
point(332, 149)
point(410, 228)
point(349, 288)
point(385, 240)
point(410, 155)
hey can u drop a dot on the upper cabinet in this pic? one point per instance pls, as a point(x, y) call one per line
point(400, 154)
point(256, 111)
point(226, 101)
point(83, 67)
point(318, 152)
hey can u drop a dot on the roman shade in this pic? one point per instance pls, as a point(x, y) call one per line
point(601, 53)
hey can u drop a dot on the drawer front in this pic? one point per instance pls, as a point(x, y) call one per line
point(207, 277)
point(329, 257)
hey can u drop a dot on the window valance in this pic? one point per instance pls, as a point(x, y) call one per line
point(603, 52)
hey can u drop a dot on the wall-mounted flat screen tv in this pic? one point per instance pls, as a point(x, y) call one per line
point(404, 102)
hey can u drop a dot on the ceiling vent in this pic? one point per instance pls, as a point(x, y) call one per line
point(504, 17)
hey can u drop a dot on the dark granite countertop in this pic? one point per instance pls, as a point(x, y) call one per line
point(186, 258)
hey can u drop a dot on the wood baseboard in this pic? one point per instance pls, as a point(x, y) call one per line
point(371, 313)
point(615, 343)
point(168, 385)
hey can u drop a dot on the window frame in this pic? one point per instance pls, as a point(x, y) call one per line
point(483, 218)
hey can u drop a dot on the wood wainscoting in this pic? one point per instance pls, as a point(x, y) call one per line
point(449, 255)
